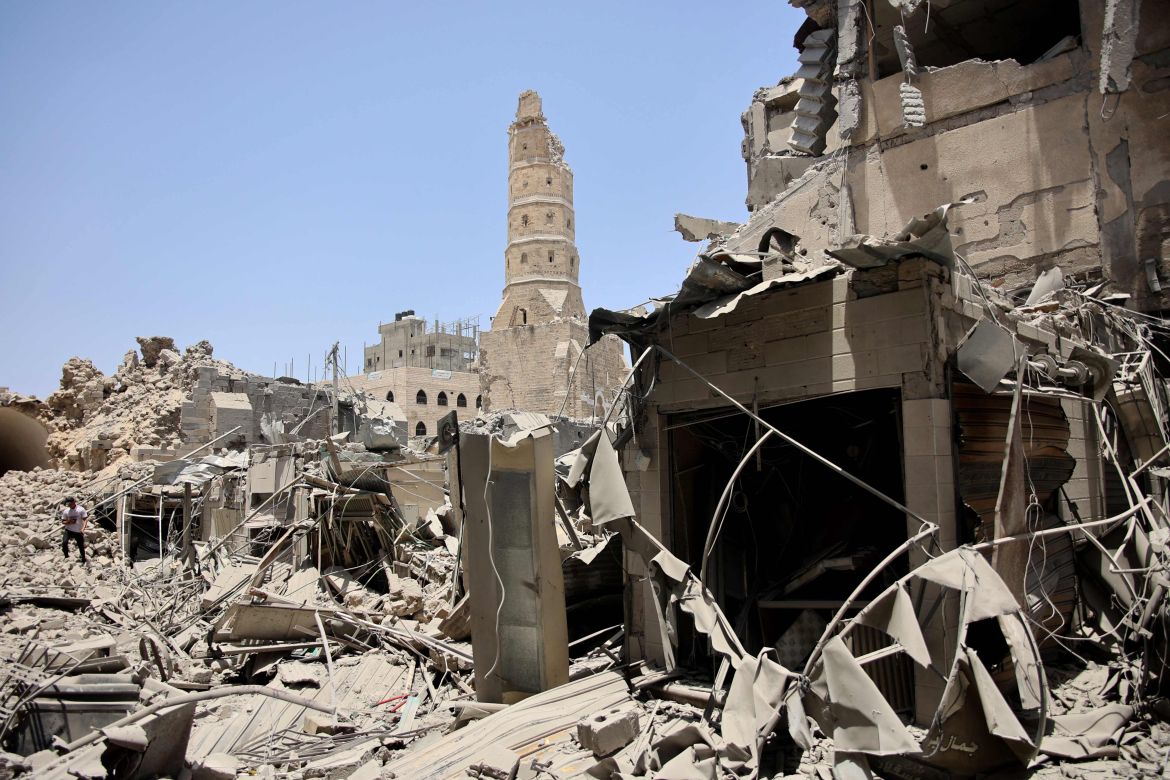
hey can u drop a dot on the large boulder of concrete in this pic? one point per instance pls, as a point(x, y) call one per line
point(151, 346)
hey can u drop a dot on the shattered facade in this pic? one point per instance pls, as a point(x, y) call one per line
point(534, 357)
point(1045, 117)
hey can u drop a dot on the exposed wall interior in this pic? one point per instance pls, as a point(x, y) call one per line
point(975, 29)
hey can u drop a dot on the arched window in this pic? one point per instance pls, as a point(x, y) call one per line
point(421, 398)
point(442, 399)
point(524, 220)
point(461, 401)
point(523, 257)
point(420, 429)
point(479, 402)
point(389, 395)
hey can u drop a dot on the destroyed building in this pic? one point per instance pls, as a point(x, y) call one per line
point(921, 326)
point(534, 357)
point(883, 494)
point(1047, 118)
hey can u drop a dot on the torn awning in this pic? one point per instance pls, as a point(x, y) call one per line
point(196, 472)
point(925, 236)
point(715, 285)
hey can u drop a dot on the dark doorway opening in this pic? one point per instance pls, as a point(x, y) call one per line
point(797, 537)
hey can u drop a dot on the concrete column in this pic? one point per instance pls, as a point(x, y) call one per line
point(930, 491)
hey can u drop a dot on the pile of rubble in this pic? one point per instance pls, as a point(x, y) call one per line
point(298, 610)
point(138, 405)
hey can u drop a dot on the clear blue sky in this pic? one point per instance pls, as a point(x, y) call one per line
point(274, 176)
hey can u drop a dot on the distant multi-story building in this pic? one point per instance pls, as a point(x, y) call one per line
point(426, 371)
point(408, 342)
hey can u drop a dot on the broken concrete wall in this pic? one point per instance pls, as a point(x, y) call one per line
point(271, 400)
point(1056, 172)
point(1132, 162)
point(797, 343)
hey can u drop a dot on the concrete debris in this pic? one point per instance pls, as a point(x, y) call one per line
point(699, 229)
point(815, 109)
point(306, 569)
point(609, 731)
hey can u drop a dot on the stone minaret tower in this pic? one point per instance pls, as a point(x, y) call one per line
point(541, 265)
point(533, 357)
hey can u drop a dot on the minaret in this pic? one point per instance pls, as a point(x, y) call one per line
point(533, 357)
point(540, 251)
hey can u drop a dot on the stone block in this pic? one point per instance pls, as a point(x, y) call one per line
point(320, 723)
point(497, 762)
point(607, 732)
point(217, 766)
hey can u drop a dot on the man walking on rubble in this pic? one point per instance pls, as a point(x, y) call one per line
point(73, 519)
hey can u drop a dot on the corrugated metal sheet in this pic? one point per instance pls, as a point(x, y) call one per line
point(982, 426)
point(893, 675)
point(1050, 584)
point(360, 686)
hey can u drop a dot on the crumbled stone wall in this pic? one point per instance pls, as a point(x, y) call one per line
point(96, 419)
point(1053, 171)
point(159, 401)
point(272, 401)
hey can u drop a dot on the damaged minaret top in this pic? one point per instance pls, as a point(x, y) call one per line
point(541, 246)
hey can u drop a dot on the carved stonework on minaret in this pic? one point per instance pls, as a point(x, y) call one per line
point(529, 357)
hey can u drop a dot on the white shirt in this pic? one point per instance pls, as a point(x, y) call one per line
point(76, 516)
